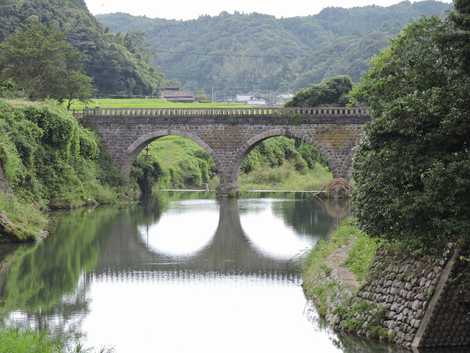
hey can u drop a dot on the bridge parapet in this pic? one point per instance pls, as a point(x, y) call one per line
point(225, 112)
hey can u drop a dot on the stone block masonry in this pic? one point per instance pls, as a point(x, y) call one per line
point(426, 300)
point(228, 135)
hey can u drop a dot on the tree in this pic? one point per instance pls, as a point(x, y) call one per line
point(461, 37)
point(412, 168)
point(77, 86)
point(330, 92)
point(43, 64)
point(461, 15)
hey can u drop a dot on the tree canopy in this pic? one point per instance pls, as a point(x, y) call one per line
point(236, 53)
point(412, 168)
point(333, 91)
point(114, 62)
point(43, 64)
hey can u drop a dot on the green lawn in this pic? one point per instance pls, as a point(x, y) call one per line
point(150, 103)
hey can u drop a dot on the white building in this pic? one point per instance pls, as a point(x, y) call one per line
point(250, 100)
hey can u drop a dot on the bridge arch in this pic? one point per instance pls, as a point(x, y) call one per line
point(251, 143)
point(138, 145)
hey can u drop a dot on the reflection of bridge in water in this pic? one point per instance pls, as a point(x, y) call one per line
point(127, 257)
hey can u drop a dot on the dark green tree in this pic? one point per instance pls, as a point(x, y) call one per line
point(146, 172)
point(333, 91)
point(412, 168)
point(77, 86)
point(461, 15)
point(43, 64)
point(460, 38)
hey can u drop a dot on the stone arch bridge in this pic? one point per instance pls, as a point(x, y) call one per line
point(228, 135)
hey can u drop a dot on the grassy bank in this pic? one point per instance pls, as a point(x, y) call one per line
point(183, 163)
point(28, 342)
point(50, 162)
point(334, 272)
point(20, 341)
point(275, 164)
point(20, 219)
point(285, 177)
point(320, 283)
point(150, 103)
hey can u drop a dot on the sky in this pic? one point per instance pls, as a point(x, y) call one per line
point(190, 9)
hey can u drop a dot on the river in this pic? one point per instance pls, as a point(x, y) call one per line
point(184, 273)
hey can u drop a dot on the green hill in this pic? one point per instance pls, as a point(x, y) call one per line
point(114, 62)
point(253, 52)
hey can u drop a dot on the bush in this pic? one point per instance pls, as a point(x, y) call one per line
point(50, 159)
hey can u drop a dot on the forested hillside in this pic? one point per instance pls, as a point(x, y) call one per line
point(241, 53)
point(116, 63)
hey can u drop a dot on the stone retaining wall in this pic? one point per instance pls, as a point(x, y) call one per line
point(425, 300)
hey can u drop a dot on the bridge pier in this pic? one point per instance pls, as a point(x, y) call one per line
point(228, 190)
point(228, 180)
point(339, 188)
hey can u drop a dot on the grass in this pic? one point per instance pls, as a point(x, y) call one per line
point(183, 162)
point(150, 103)
point(318, 284)
point(352, 314)
point(286, 177)
point(15, 341)
point(21, 341)
point(361, 255)
point(28, 220)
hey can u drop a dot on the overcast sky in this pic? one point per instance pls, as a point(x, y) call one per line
point(188, 9)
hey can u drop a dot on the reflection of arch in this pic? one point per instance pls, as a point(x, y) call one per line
point(230, 250)
point(137, 146)
point(170, 236)
point(246, 148)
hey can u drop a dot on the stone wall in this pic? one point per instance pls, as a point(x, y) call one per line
point(447, 320)
point(425, 300)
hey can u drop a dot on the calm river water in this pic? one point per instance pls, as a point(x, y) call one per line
point(181, 274)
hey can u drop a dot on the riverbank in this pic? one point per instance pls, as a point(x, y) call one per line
point(390, 292)
point(48, 161)
point(334, 271)
point(275, 164)
point(20, 341)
